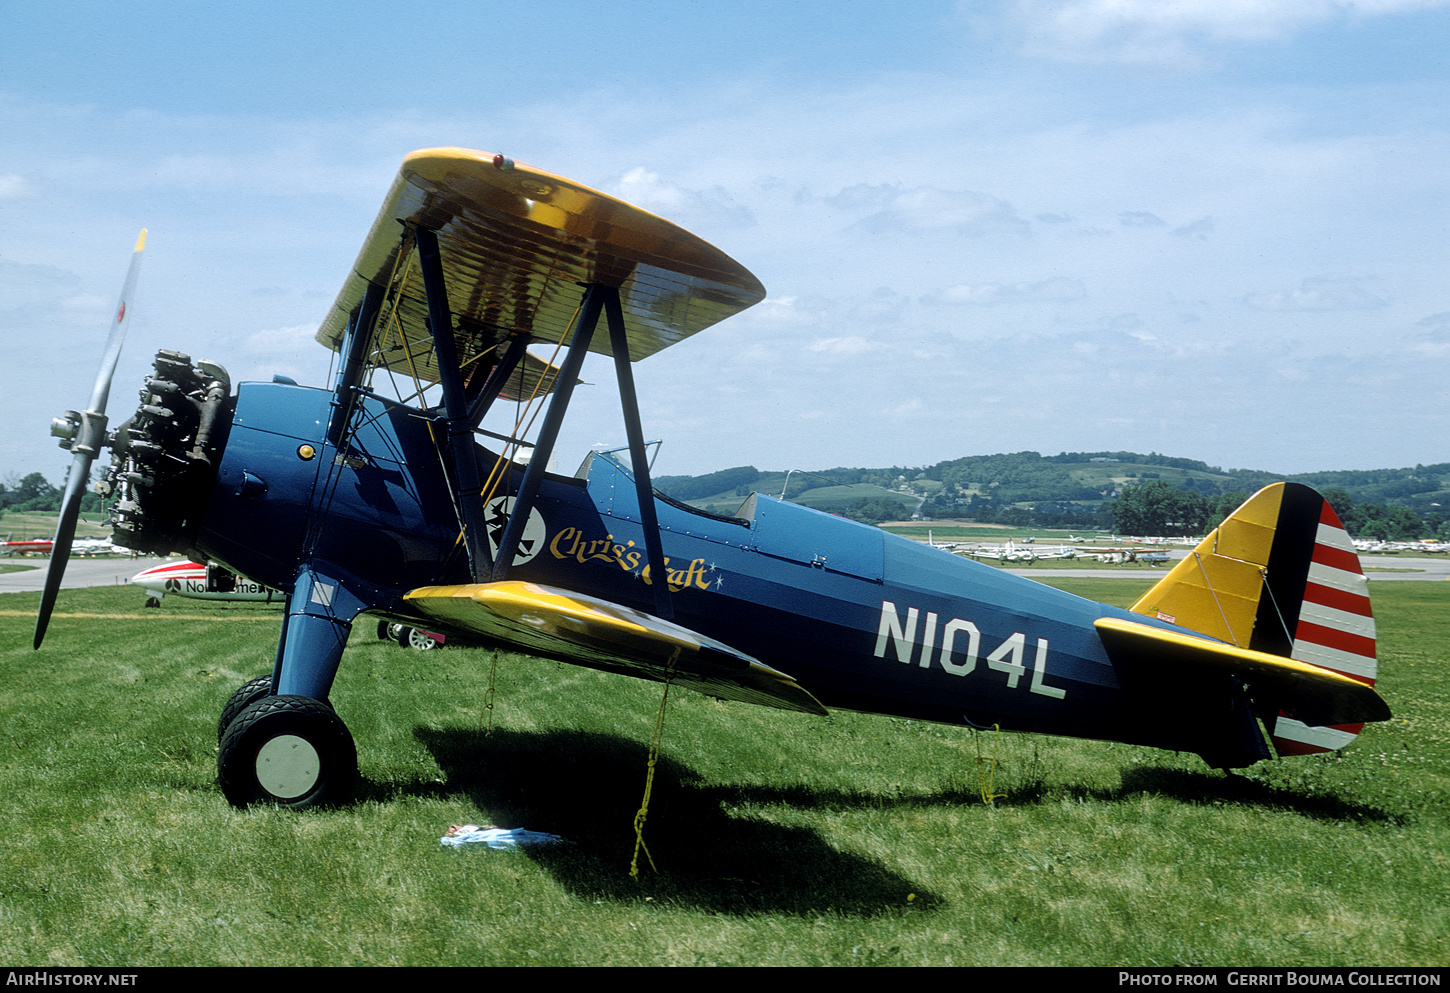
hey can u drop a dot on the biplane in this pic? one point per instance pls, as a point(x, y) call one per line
point(1260, 643)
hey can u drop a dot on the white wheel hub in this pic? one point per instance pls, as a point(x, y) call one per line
point(288, 766)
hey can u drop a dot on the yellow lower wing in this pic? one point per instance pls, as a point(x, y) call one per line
point(591, 632)
point(1305, 692)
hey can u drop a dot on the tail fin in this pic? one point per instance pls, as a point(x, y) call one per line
point(1279, 576)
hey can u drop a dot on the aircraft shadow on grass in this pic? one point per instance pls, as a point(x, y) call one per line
point(1208, 788)
point(1198, 789)
point(587, 787)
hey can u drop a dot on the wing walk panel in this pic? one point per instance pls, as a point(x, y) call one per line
point(592, 632)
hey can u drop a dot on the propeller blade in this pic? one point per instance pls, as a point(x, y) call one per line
point(65, 532)
point(85, 438)
point(102, 390)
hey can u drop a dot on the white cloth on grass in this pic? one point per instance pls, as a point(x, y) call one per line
point(472, 834)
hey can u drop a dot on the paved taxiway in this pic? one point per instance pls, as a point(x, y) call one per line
point(115, 572)
point(1431, 568)
point(78, 573)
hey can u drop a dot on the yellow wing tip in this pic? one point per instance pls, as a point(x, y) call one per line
point(140, 242)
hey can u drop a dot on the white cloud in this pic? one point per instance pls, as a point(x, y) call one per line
point(714, 208)
point(1176, 32)
point(1319, 294)
point(1436, 326)
point(1434, 340)
point(926, 208)
point(278, 342)
point(843, 347)
point(1055, 290)
point(24, 285)
point(1140, 219)
point(906, 408)
point(1199, 229)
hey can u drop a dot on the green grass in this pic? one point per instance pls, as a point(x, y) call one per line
point(780, 839)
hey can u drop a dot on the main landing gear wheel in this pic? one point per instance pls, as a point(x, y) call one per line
point(292, 751)
point(413, 638)
point(246, 695)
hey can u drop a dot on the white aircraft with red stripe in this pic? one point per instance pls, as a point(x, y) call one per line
point(36, 546)
point(200, 582)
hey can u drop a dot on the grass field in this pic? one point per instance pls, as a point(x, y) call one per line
point(28, 525)
point(779, 839)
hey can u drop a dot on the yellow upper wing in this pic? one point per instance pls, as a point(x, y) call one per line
point(516, 243)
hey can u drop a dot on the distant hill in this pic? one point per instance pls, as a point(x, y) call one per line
point(722, 492)
point(1071, 489)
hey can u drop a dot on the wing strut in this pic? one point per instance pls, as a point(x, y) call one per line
point(581, 333)
point(629, 404)
point(354, 350)
point(597, 298)
point(478, 405)
point(466, 484)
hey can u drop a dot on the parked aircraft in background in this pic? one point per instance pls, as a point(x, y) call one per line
point(1011, 551)
point(81, 546)
point(200, 582)
point(35, 546)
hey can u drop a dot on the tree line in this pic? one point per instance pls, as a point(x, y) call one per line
point(34, 493)
point(1156, 508)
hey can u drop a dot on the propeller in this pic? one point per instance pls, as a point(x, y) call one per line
point(84, 434)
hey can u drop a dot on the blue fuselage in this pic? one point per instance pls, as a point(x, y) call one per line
point(863, 619)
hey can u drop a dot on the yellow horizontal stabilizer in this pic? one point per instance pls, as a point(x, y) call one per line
point(592, 632)
point(1308, 693)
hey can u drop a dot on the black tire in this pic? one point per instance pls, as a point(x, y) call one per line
point(246, 695)
point(413, 638)
point(383, 633)
point(291, 751)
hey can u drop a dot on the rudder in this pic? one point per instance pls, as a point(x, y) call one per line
point(1281, 576)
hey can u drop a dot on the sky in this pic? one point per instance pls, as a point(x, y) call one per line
point(1215, 229)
